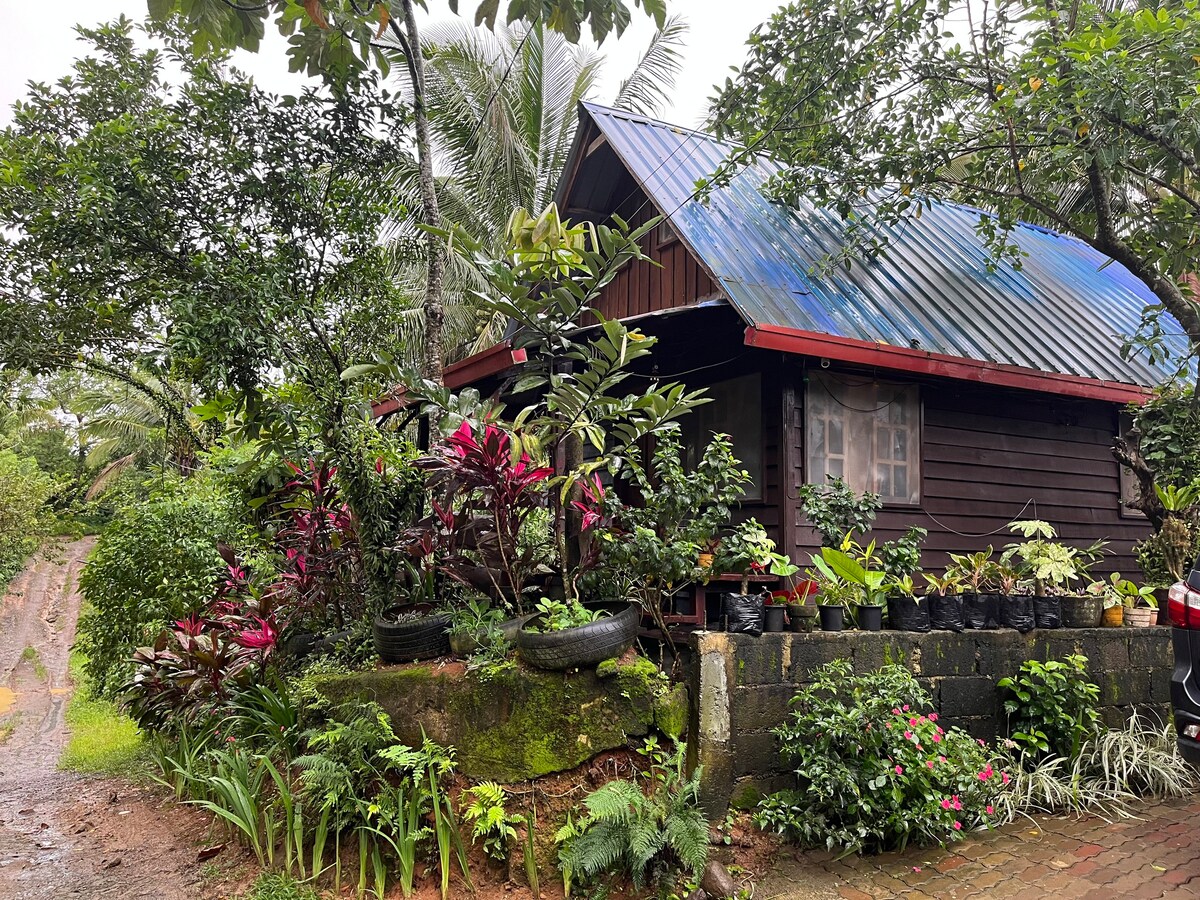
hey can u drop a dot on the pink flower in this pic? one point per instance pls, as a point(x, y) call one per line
point(1004, 778)
point(912, 721)
point(988, 809)
point(919, 746)
point(981, 742)
point(230, 739)
point(957, 802)
point(908, 735)
point(937, 738)
point(889, 726)
point(945, 804)
point(941, 759)
point(905, 707)
point(933, 717)
point(899, 770)
point(958, 826)
point(929, 764)
point(895, 711)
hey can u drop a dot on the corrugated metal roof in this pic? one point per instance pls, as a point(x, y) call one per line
point(1066, 310)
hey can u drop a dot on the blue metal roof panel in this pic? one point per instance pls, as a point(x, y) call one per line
point(1067, 308)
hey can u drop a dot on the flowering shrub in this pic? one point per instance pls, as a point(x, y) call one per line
point(875, 771)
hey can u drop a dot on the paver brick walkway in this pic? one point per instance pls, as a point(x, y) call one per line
point(1156, 855)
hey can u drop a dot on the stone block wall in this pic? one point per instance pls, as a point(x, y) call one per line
point(741, 686)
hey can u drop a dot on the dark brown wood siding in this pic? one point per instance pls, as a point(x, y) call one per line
point(640, 288)
point(991, 456)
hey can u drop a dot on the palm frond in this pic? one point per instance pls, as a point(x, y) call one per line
point(650, 83)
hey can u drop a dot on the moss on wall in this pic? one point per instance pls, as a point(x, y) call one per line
point(516, 724)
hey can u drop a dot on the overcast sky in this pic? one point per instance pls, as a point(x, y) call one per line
point(38, 43)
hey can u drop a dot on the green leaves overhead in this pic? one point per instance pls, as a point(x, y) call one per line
point(1082, 118)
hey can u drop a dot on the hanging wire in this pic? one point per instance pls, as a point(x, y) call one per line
point(1004, 527)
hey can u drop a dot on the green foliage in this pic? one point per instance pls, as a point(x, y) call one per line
point(559, 615)
point(1165, 556)
point(648, 832)
point(24, 490)
point(835, 510)
point(1050, 565)
point(1168, 427)
point(279, 886)
point(747, 549)
point(976, 570)
point(1069, 118)
point(874, 770)
point(902, 557)
point(492, 823)
point(1115, 770)
point(1052, 710)
point(155, 563)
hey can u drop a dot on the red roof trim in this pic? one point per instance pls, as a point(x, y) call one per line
point(492, 361)
point(904, 359)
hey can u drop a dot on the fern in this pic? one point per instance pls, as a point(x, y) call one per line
point(644, 834)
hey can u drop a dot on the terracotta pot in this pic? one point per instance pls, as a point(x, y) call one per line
point(1141, 616)
point(1114, 617)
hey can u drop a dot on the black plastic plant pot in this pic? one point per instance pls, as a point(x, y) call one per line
point(908, 614)
point(583, 646)
point(774, 616)
point(1017, 612)
point(403, 634)
point(1047, 612)
point(981, 611)
point(945, 613)
point(833, 618)
point(743, 613)
point(870, 618)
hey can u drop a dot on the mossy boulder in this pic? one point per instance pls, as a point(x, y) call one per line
point(671, 712)
point(513, 725)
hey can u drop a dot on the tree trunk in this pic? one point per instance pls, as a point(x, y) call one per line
point(433, 355)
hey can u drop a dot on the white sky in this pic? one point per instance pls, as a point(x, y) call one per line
point(38, 43)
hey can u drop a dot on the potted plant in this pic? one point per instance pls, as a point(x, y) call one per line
point(1111, 601)
point(869, 594)
point(413, 630)
point(747, 550)
point(774, 612)
point(478, 624)
point(801, 606)
point(568, 634)
point(943, 602)
point(1049, 565)
point(1141, 606)
point(977, 573)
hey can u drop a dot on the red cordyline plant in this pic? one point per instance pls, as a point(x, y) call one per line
point(203, 658)
point(319, 540)
point(483, 495)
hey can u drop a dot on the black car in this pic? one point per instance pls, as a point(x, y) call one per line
point(1183, 607)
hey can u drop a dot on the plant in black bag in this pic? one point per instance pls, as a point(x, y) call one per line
point(748, 550)
point(943, 602)
point(1044, 560)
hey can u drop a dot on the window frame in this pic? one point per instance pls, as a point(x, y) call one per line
point(1126, 480)
point(919, 474)
point(757, 493)
point(664, 234)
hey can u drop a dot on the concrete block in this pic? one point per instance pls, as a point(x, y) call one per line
point(1160, 685)
point(1150, 648)
point(757, 754)
point(809, 652)
point(759, 660)
point(947, 653)
point(873, 651)
point(968, 696)
point(1124, 687)
point(760, 708)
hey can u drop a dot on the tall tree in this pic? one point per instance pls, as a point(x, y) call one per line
point(338, 38)
point(1081, 116)
point(503, 115)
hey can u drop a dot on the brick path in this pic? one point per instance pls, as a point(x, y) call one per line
point(1157, 855)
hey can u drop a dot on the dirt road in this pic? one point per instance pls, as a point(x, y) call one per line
point(65, 835)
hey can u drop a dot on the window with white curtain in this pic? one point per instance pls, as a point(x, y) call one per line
point(867, 432)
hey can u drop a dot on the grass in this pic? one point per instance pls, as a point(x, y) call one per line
point(277, 886)
point(104, 741)
point(30, 655)
point(8, 726)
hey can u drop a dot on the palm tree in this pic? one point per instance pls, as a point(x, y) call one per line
point(502, 110)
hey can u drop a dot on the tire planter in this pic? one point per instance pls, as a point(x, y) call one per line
point(833, 618)
point(945, 613)
point(1081, 612)
point(869, 618)
point(1047, 612)
point(422, 637)
point(584, 645)
point(1113, 617)
point(1017, 612)
point(803, 617)
point(773, 618)
point(306, 644)
point(908, 614)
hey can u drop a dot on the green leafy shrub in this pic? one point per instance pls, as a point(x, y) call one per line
point(24, 490)
point(494, 826)
point(156, 562)
point(874, 770)
point(646, 832)
point(1052, 707)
